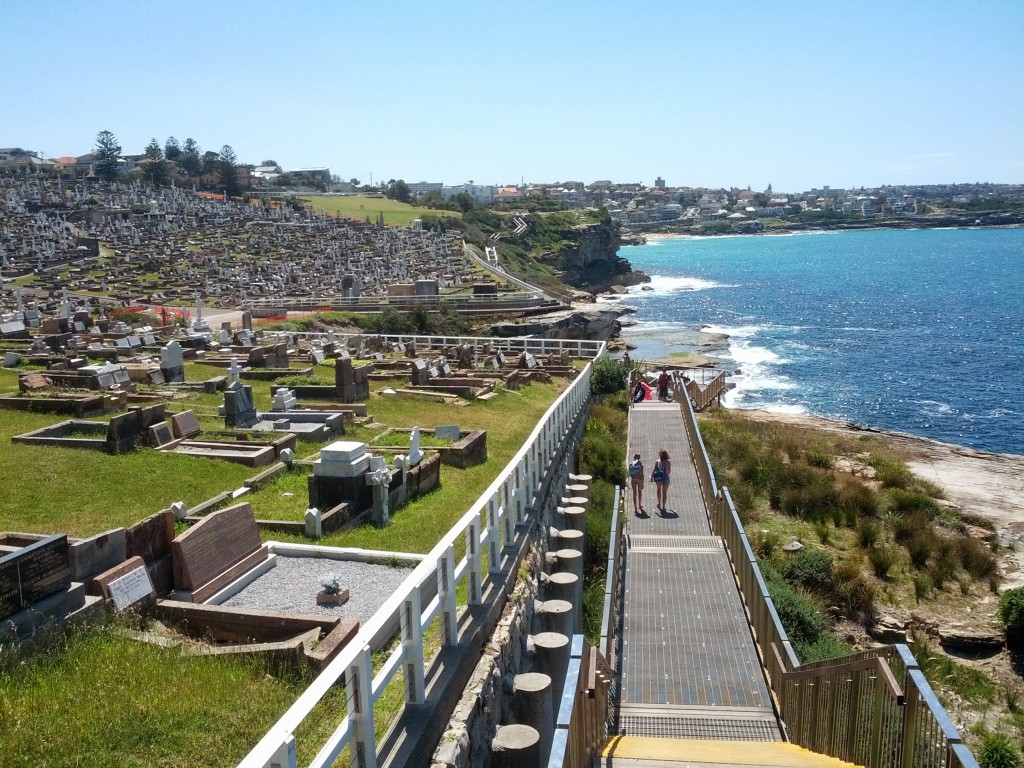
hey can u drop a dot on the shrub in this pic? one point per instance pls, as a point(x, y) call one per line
point(902, 500)
point(867, 533)
point(809, 569)
point(998, 751)
point(818, 458)
point(766, 544)
point(920, 548)
point(823, 532)
point(828, 646)
point(944, 564)
point(922, 586)
point(1011, 613)
point(804, 621)
point(852, 593)
point(609, 376)
point(860, 498)
point(907, 527)
point(892, 473)
point(976, 558)
point(883, 559)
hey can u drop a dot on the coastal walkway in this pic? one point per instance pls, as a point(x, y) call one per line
point(691, 691)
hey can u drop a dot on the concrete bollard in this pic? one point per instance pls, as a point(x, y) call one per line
point(553, 651)
point(570, 561)
point(532, 705)
point(570, 539)
point(578, 489)
point(582, 479)
point(515, 746)
point(556, 616)
point(575, 518)
point(566, 586)
point(576, 501)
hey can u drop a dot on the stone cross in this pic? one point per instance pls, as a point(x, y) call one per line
point(234, 370)
point(379, 477)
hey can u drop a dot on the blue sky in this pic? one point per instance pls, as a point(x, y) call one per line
point(795, 94)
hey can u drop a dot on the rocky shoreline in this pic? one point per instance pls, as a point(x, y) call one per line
point(646, 234)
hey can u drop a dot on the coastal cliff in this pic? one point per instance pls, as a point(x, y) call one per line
point(586, 256)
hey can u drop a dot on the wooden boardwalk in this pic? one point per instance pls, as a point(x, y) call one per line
point(689, 667)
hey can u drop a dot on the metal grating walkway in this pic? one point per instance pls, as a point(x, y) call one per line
point(689, 668)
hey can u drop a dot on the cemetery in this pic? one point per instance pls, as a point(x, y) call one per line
point(230, 502)
point(122, 244)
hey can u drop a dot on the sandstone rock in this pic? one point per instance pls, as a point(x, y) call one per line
point(889, 629)
point(972, 638)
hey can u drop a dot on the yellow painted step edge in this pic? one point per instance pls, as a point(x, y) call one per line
point(759, 753)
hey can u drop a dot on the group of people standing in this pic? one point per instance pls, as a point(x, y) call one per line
point(661, 475)
point(642, 390)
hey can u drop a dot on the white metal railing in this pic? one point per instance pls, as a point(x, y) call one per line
point(576, 347)
point(488, 526)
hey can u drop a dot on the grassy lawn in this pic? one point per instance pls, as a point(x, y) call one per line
point(143, 705)
point(416, 527)
point(360, 206)
point(150, 706)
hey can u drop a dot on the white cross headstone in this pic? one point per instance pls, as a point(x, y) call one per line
point(415, 454)
point(234, 370)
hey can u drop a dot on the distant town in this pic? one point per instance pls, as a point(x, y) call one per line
point(634, 205)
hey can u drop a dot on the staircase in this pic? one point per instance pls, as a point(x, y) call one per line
point(643, 752)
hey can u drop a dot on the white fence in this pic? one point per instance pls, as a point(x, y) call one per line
point(575, 347)
point(488, 527)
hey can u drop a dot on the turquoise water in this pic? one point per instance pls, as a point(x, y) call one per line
point(919, 331)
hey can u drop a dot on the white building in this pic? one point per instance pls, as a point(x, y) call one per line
point(479, 193)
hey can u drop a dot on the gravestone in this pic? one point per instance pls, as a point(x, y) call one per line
point(452, 433)
point(124, 432)
point(32, 573)
point(216, 550)
point(96, 554)
point(172, 362)
point(415, 454)
point(284, 400)
point(160, 435)
point(420, 373)
point(126, 585)
point(185, 425)
point(239, 410)
point(344, 458)
point(527, 361)
point(378, 477)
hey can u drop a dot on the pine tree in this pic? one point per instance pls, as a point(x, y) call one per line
point(227, 172)
point(107, 153)
point(172, 151)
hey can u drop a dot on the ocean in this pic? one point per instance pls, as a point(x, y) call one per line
point(919, 331)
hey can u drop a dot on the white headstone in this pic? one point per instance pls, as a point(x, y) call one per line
point(180, 510)
point(130, 588)
point(314, 523)
point(415, 454)
point(234, 370)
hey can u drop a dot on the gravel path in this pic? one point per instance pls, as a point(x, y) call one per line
point(292, 586)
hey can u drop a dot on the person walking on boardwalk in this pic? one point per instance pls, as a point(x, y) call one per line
point(663, 382)
point(636, 481)
point(661, 476)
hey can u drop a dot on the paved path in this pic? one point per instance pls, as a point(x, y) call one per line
point(689, 667)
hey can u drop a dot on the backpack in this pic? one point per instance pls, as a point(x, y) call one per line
point(636, 468)
point(658, 475)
